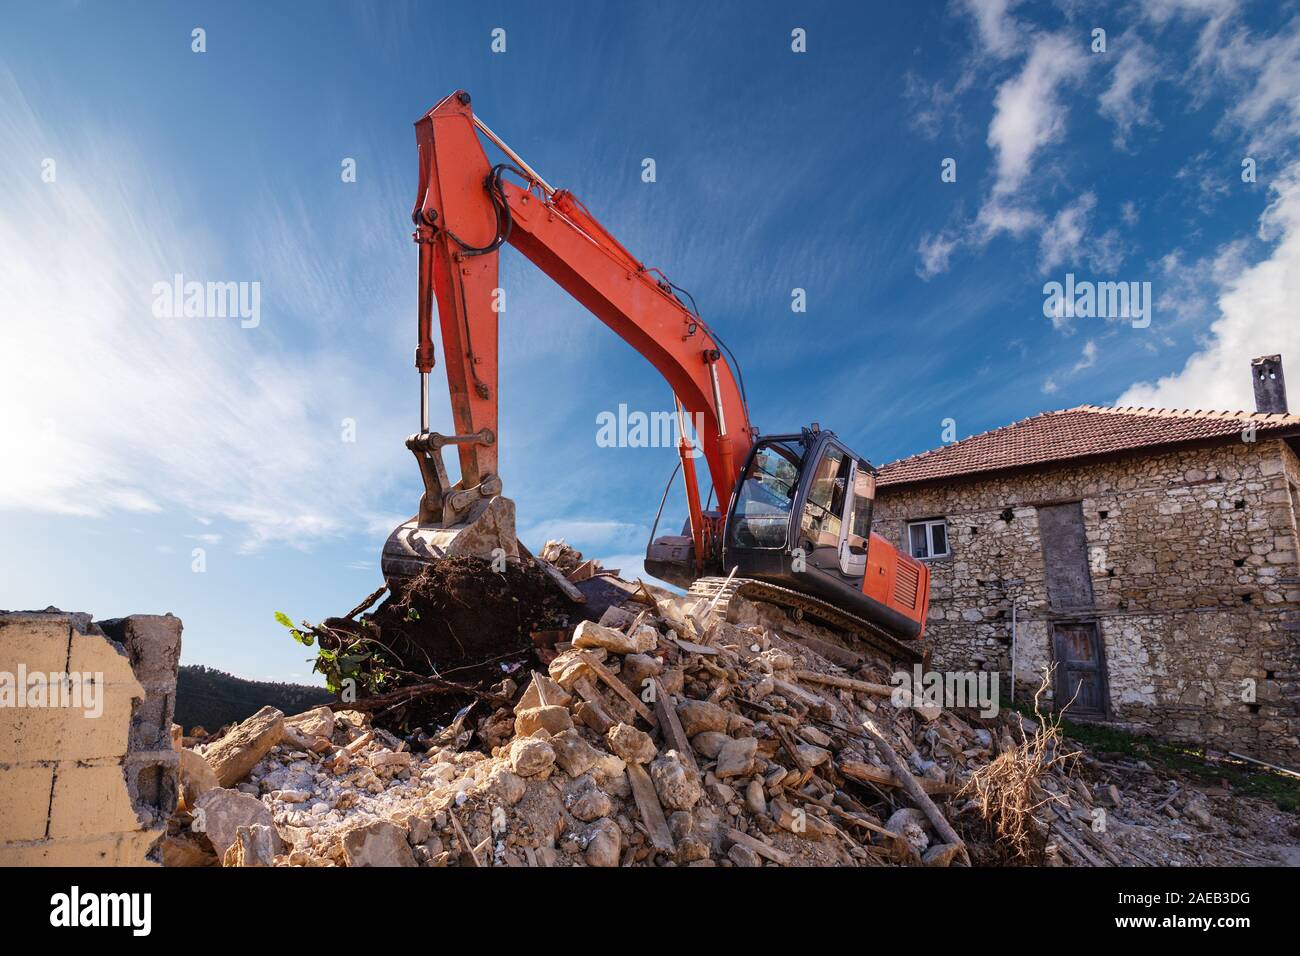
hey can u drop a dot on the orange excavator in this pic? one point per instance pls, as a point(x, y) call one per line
point(792, 524)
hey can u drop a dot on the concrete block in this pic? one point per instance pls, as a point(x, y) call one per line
point(91, 801)
point(117, 849)
point(26, 802)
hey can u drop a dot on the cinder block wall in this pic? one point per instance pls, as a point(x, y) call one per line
point(88, 781)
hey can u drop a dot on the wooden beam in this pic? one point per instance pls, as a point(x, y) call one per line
point(758, 846)
point(618, 687)
point(652, 814)
point(867, 773)
point(913, 788)
point(671, 726)
point(846, 683)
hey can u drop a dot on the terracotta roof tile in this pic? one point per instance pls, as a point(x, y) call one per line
point(1082, 432)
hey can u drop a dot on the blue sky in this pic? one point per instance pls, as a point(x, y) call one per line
point(130, 440)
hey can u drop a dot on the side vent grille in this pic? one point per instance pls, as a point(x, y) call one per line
point(906, 582)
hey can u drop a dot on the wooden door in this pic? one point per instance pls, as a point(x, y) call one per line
point(1080, 669)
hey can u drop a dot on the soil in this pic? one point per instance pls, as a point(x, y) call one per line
point(463, 622)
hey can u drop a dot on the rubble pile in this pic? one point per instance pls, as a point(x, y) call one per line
point(664, 735)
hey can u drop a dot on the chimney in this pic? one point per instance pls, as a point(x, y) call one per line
point(1270, 386)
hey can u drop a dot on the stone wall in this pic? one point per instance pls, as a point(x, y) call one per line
point(1192, 555)
point(87, 769)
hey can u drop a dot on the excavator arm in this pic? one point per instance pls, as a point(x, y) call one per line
point(808, 530)
point(466, 209)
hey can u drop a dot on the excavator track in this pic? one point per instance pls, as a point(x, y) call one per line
point(721, 590)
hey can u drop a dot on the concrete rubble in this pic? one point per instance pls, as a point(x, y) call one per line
point(662, 735)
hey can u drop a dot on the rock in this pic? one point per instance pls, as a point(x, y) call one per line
point(220, 813)
point(910, 824)
point(378, 843)
point(815, 736)
point(1112, 792)
point(543, 691)
point(238, 752)
point(637, 668)
point(698, 716)
point(604, 843)
point(574, 755)
point(709, 743)
point(530, 755)
point(390, 760)
point(632, 745)
point(568, 668)
point(813, 756)
point(736, 759)
point(941, 854)
point(677, 785)
point(197, 777)
point(183, 849)
point(1200, 815)
point(755, 797)
point(553, 719)
point(743, 856)
point(504, 787)
point(254, 846)
point(586, 801)
point(317, 722)
point(590, 634)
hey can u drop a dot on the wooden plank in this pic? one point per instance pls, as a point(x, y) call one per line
point(618, 687)
point(758, 846)
point(652, 814)
point(1270, 766)
point(804, 770)
point(914, 789)
point(596, 704)
point(671, 726)
point(813, 702)
point(846, 683)
point(832, 652)
point(867, 773)
point(556, 575)
point(692, 648)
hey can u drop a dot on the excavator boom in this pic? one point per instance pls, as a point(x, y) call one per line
point(466, 210)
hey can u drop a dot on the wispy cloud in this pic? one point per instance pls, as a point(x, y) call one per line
point(118, 410)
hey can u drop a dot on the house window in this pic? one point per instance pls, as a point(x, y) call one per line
point(928, 539)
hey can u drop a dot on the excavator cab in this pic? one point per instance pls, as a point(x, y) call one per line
point(800, 518)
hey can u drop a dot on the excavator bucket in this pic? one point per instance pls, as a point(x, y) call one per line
point(488, 532)
point(453, 520)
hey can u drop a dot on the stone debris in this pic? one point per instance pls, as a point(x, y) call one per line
point(667, 736)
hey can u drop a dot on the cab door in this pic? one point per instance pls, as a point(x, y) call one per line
point(857, 521)
point(827, 507)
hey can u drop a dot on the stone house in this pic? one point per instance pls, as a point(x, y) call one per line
point(1148, 554)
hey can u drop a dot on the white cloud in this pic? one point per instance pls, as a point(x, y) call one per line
point(1028, 113)
point(1256, 305)
point(935, 252)
point(1126, 102)
point(108, 408)
point(1000, 33)
point(1089, 357)
point(1063, 238)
